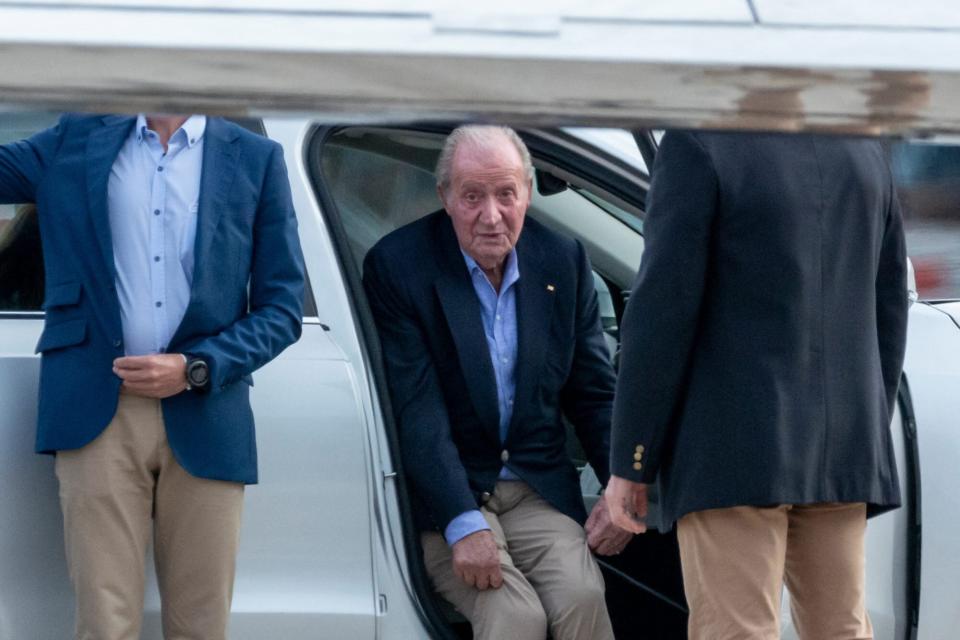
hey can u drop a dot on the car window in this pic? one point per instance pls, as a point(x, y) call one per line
point(380, 180)
point(928, 183)
point(617, 142)
point(21, 256)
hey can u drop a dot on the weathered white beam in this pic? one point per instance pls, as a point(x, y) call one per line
point(423, 63)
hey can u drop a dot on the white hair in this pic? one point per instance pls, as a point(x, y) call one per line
point(479, 135)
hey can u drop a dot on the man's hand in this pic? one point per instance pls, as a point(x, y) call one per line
point(604, 537)
point(156, 376)
point(627, 503)
point(476, 560)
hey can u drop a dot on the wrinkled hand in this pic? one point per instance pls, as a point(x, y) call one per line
point(627, 504)
point(476, 560)
point(155, 376)
point(603, 537)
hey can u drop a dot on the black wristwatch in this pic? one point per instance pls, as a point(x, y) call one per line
point(198, 373)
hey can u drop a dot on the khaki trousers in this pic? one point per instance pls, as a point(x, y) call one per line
point(550, 579)
point(113, 492)
point(736, 561)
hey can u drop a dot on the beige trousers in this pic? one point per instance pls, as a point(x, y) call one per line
point(550, 579)
point(736, 561)
point(113, 492)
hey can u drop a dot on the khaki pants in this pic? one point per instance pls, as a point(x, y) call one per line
point(735, 562)
point(550, 579)
point(113, 492)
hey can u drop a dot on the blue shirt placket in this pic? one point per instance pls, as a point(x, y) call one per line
point(158, 196)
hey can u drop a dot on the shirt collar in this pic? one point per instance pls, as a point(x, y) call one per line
point(511, 268)
point(193, 128)
point(141, 129)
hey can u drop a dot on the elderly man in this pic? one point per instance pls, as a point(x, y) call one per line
point(173, 270)
point(762, 349)
point(489, 337)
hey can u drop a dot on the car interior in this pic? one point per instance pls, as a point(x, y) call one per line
point(379, 179)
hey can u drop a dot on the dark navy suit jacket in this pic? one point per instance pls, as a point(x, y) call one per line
point(246, 235)
point(441, 378)
point(764, 338)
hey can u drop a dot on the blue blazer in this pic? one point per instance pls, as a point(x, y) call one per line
point(246, 235)
point(442, 382)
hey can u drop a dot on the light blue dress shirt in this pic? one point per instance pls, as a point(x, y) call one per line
point(498, 311)
point(152, 201)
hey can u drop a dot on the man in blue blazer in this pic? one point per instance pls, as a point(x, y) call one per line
point(489, 339)
point(173, 270)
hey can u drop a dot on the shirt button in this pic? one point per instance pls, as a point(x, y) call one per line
point(504, 456)
point(159, 304)
point(160, 169)
point(505, 360)
point(485, 497)
point(156, 258)
point(156, 212)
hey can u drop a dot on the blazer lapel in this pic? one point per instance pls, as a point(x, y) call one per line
point(103, 145)
point(219, 169)
point(462, 311)
point(536, 291)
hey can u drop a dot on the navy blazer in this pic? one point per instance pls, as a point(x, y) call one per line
point(246, 234)
point(441, 378)
point(764, 338)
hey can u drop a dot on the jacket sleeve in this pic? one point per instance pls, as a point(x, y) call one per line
point(23, 163)
point(275, 316)
point(892, 300)
point(587, 396)
point(659, 326)
point(430, 457)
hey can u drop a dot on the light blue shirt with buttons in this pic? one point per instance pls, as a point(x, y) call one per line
point(498, 311)
point(152, 201)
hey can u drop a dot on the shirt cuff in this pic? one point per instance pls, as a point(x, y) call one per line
point(463, 525)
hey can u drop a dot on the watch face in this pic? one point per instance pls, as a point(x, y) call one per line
point(197, 373)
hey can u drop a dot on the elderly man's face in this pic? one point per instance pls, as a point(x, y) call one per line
point(487, 199)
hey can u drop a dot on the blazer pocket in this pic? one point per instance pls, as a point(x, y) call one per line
point(64, 334)
point(62, 295)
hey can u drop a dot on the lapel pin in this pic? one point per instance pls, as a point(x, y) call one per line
point(550, 288)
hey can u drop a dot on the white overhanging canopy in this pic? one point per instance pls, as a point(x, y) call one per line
point(860, 66)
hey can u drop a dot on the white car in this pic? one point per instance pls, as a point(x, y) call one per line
point(328, 547)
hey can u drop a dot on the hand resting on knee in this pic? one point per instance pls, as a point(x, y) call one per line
point(476, 561)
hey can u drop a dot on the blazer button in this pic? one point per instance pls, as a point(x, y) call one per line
point(504, 456)
point(640, 448)
point(117, 343)
point(637, 466)
point(485, 497)
point(638, 456)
